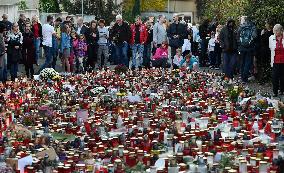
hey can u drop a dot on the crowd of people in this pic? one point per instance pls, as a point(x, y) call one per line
point(85, 46)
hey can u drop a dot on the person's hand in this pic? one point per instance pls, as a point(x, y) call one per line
point(17, 47)
point(94, 35)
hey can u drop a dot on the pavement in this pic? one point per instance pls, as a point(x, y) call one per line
point(253, 84)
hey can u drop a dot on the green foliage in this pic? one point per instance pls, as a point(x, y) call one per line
point(258, 10)
point(136, 8)
point(49, 6)
point(140, 167)
point(261, 10)
point(22, 5)
point(100, 8)
point(227, 160)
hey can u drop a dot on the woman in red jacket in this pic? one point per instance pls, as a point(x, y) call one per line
point(139, 36)
point(276, 45)
point(37, 31)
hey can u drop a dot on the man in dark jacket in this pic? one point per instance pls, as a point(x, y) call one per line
point(247, 34)
point(21, 23)
point(120, 36)
point(6, 22)
point(228, 42)
point(176, 33)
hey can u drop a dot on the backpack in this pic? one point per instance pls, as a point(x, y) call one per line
point(246, 36)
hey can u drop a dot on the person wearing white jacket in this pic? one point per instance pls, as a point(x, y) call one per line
point(276, 45)
point(211, 48)
point(186, 47)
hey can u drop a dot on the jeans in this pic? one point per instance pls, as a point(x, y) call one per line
point(103, 49)
point(147, 55)
point(246, 64)
point(229, 64)
point(37, 48)
point(54, 52)
point(278, 78)
point(13, 71)
point(137, 48)
point(121, 54)
point(48, 57)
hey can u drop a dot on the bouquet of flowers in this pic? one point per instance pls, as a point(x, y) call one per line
point(120, 69)
point(234, 92)
point(49, 73)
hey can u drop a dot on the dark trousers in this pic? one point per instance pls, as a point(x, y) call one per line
point(13, 71)
point(92, 56)
point(218, 53)
point(161, 63)
point(212, 58)
point(203, 56)
point(278, 78)
point(246, 64)
point(173, 52)
point(147, 55)
point(29, 68)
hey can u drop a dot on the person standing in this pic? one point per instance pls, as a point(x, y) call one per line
point(147, 46)
point(15, 41)
point(2, 53)
point(37, 32)
point(159, 33)
point(211, 52)
point(103, 43)
point(81, 28)
point(276, 45)
point(263, 58)
point(65, 46)
point(21, 23)
point(139, 37)
point(204, 35)
point(176, 33)
point(28, 50)
point(56, 39)
point(47, 33)
point(121, 35)
point(228, 43)
point(6, 22)
point(247, 34)
point(92, 40)
point(217, 48)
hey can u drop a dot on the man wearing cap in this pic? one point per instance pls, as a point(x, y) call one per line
point(120, 36)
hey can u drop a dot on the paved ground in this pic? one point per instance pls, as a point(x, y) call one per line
point(266, 88)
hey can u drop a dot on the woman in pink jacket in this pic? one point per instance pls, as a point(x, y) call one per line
point(160, 59)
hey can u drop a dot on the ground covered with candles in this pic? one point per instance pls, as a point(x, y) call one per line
point(156, 121)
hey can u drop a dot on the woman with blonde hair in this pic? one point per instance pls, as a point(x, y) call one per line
point(37, 31)
point(276, 45)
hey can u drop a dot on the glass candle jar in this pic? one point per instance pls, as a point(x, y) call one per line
point(243, 166)
point(263, 167)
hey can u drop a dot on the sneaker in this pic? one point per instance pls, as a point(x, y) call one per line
point(132, 68)
point(140, 68)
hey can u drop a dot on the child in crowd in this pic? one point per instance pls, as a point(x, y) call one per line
point(177, 59)
point(211, 48)
point(160, 59)
point(81, 52)
point(73, 55)
point(28, 51)
point(186, 47)
point(189, 62)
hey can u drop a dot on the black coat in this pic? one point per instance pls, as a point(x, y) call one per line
point(28, 49)
point(120, 34)
point(177, 29)
point(84, 29)
point(89, 36)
